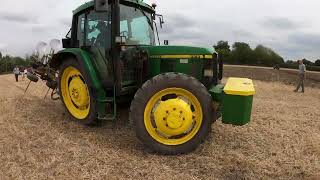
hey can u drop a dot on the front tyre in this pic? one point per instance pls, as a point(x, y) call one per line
point(172, 113)
point(74, 92)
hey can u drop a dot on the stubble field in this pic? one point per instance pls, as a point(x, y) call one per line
point(38, 140)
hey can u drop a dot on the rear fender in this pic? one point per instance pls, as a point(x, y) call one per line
point(84, 60)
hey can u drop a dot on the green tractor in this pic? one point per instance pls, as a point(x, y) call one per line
point(110, 56)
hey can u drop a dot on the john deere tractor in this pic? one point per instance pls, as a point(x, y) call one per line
point(110, 56)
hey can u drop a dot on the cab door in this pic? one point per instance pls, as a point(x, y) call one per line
point(94, 36)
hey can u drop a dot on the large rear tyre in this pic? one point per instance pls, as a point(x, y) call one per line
point(75, 94)
point(172, 113)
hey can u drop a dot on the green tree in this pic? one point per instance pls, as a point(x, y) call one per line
point(7, 63)
point(241, 53)
point(317, 63)
point(266, 56)
point(223, 48)
point(290, 62)
point(0, 55)
point(222, 45)
point(307, 62)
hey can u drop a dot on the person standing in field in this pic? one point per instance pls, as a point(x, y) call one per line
point(22, 73)
point(302, 76)
point(16, 72)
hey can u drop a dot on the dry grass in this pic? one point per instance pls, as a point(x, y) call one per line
point(38, 141)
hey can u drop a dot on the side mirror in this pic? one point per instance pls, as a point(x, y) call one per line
point(66, 43)
point(160, 19)
point(101, 5)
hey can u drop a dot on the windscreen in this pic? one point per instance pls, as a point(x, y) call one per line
point(136, 25)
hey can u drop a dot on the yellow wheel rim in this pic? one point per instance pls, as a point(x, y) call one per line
point(173, 116)
point(75, 93)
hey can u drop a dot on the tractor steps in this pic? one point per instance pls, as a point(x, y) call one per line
point(109, 101)
point(112, 115)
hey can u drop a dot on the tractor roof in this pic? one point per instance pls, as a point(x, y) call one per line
point(90, 4)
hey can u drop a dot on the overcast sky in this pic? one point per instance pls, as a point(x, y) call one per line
point(290, 27)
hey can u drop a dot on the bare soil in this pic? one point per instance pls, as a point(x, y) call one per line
point(39, 141)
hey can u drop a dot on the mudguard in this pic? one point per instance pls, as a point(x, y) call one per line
point(84, 60)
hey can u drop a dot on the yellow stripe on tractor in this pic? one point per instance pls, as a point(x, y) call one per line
point(182, 56)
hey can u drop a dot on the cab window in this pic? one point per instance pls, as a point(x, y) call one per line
point(98, 29)
point(80, 30)
point(136, 25)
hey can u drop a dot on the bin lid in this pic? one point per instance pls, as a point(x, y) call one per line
point(239, 86)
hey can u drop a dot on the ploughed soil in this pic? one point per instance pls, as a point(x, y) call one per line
point(39, 141)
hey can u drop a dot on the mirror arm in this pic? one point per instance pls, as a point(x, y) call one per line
point(160, 19)
point(156, 26)
point(68, 33)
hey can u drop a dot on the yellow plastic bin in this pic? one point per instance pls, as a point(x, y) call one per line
point(237, 101)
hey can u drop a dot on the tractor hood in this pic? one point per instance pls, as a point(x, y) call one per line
point(181, 59)
point(179, 52)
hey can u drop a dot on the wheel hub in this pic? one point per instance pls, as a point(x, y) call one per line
point(78, 92)
point(174, 121)
point(173, 117)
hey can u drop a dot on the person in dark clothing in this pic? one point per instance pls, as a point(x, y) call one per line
point(102, 38)
point(16, 72)
point(302, 76)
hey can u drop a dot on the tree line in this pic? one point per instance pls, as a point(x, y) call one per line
point(241, 53)
point(7, 63)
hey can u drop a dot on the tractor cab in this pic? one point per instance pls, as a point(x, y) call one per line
point(113, 35)
point(133, 27)
point(120, 38)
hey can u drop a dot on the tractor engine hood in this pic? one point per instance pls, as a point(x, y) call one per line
point(179, 52)
point(181, 59)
